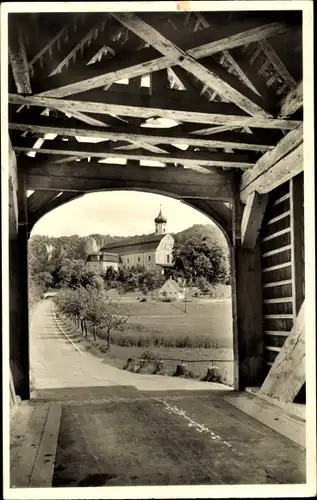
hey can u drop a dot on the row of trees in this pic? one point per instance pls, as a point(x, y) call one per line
point(90, 309)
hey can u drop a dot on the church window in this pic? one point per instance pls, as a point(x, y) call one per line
point(168, 258)
point(139, 259)
point(149, 258)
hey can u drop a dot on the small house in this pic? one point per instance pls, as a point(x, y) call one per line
point(171, 290)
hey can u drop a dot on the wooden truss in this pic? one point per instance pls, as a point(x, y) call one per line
point(79, 105)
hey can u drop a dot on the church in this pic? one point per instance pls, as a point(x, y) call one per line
point(152, 251)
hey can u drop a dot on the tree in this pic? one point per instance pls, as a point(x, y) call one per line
point(44, 279)
point(111, 322)
point(201, 257)
point(91, 305)
point(97, 282)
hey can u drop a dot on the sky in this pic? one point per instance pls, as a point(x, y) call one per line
point(117, 213)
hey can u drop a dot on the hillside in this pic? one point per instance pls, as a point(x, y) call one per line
point(47, 251)
point(207, 231)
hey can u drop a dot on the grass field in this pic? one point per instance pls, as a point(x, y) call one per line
point(206, 325)
point(205, 319)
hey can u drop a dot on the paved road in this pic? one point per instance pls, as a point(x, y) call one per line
point(122, 429)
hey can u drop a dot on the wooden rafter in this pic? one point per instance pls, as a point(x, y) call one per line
point(249, 76)
point(212, 75)
point(78, 48)
point(277, 62)
point(147, 60)
point(48, 46)
point(101, 150)
point(19, 63)
point(292, 101)
point(213, 113)
point(68, 127)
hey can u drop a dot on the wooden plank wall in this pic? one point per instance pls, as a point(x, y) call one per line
point(282, 258)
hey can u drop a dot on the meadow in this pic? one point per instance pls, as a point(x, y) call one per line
point(205, 324)
point(200, 337)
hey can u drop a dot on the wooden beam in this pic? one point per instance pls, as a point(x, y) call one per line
point(211, 75)
point(48, 46)
point(297, 241)
point(252, 219)
point(135, 83)
point(93, 176)
point(38, 199)
point(51, 203)
point(86, 118)
point(212, 113)
point(146, 61)
point(280, 172)
point(69, 128)
point(18, 283)
point(159, 81)
point(101, 150)
point(277, 62)
point(246, 302)
point(218, 38)
point(249, 76)
point(19, 62)
point(260, 173)
point(292, 101)
point(13, 197)
point(287, 374)
point(103, 74)
point(84, 39)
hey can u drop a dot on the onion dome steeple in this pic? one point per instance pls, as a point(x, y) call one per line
point(160, 223)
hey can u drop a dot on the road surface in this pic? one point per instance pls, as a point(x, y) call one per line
point(119, 428)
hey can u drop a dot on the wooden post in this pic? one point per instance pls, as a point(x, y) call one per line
point(19, 313)
point(246, 303)
point(297, 241)
point(288, 374)
point(252, 219)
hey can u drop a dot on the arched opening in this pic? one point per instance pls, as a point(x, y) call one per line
point(182, 317)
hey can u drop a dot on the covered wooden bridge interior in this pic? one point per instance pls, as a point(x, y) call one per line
point(204, 107)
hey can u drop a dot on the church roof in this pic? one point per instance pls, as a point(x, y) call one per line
point(160, 218)
point(135, 244)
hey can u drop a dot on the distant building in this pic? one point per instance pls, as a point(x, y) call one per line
point(171, 290)
point(152, 251)
point(100, 261)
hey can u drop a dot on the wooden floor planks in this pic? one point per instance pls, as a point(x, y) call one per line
point(42, 473)
point(33, 441)
point(276, 418)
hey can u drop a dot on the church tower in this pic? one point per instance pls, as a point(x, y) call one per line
point(160, 223)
